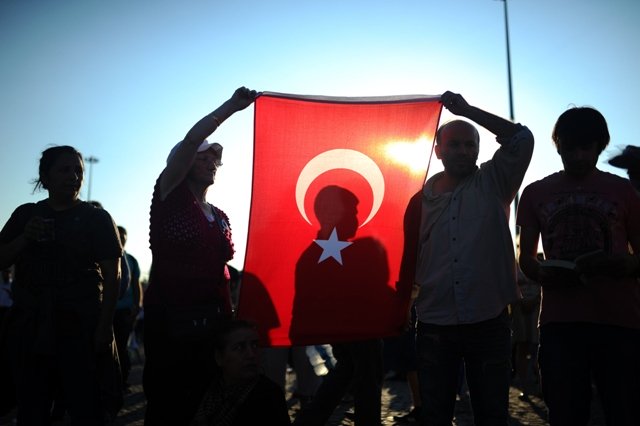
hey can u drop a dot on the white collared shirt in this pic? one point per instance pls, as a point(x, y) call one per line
point(466, 264)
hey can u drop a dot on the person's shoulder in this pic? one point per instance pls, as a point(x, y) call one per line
point(552, 178)
point(94, 214)
point(27, 210)
point(26, 207)
point(221, 213)
point(133, 262)
point(415, 202)
point(429, 183)
point(88, 208)
point(613, 179)
point(549, 180)
point(130, 257)
point(178, 194)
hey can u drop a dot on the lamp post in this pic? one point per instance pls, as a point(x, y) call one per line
point(511, 113)
point(506, 30)
point(91, 160)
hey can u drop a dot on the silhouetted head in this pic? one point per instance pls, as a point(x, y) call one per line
point(336, 207)
point(61, 169)
point(457, 146)
point(580, 135)
point(123, 235)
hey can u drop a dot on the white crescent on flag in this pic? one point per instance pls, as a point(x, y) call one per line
point(341, 159)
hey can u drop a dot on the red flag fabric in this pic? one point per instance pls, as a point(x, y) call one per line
point(331, 180)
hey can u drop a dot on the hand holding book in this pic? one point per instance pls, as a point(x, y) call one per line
point(570, 273)
point(584, 268)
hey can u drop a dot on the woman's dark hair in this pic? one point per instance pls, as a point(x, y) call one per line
point(579, 127)
point(49, 157)
point(224, 328)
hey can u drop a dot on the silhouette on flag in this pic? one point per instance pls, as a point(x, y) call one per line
point(331, 180)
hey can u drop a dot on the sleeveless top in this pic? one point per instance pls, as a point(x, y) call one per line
point(189, 252)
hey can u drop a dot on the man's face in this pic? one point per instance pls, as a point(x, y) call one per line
point(458, 149)
point(579, 161)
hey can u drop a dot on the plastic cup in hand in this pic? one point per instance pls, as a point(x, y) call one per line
point(48, 230)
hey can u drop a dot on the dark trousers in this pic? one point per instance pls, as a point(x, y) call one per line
point(485, 349)
point(572, 356)
point(59, 363)
point(176, 373)
point(359, 370)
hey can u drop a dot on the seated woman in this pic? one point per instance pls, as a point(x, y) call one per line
point(240, 394)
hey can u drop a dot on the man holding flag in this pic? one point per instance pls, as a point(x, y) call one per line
point(466, 268)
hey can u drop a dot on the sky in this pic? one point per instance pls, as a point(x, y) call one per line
point(123, 81)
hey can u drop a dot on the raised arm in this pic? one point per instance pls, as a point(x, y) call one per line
point(181, 161)
point(502, 128)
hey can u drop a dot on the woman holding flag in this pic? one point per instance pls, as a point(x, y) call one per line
point(188, 289)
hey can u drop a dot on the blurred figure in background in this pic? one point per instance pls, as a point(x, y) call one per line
point(6, 299)
point(524, 320)
point(629, 159)
point(127, 310)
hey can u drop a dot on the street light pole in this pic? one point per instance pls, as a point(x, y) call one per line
point(506, 30)
point(511, 113)
point(91, 160)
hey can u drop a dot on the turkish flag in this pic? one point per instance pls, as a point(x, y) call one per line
point(331, 180)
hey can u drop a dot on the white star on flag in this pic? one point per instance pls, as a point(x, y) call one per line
point(332, 247)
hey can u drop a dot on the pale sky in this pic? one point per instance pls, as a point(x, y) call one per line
point(124, 80)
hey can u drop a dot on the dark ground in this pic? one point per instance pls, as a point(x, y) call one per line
point(396, 400)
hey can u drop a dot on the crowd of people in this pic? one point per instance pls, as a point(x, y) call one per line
point(483, 315)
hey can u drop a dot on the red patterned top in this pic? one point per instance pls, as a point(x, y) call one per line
point(189, 252)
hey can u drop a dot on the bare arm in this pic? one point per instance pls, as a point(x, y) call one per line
point(177, 169)
point(10, 251)
point(528, 253)
point(502, 128)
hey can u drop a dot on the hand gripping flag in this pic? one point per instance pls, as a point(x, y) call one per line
point(331, 180)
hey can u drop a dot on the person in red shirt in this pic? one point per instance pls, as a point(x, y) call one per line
point(589, 327)
point(188, 289)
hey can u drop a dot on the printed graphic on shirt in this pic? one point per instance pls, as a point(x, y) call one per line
point(577, 224)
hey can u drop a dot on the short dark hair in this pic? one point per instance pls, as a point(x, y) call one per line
point(329, 199)
point(579, 127)
point(226, 327)
point(49, 157)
